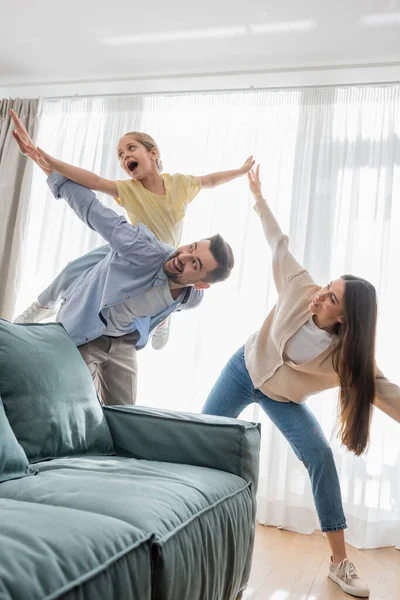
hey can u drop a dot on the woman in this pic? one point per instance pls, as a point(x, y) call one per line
point(313, 339)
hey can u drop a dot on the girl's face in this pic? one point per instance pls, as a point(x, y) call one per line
point(135, 159)
point(328, 303)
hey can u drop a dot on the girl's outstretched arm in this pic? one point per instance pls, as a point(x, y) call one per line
point(48, 163)
point(213, 179)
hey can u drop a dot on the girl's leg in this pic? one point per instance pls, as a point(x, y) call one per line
point(47, 302)
point(54, 292)
point(233, 390)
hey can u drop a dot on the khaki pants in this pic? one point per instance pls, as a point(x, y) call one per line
point(113, 366)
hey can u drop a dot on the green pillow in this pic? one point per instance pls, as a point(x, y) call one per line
point(48, 393)
point(13, 461)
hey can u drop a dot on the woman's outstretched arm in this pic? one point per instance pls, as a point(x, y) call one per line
point(284, 265)
point(387, 396)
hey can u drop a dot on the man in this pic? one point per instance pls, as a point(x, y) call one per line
point(111, 308)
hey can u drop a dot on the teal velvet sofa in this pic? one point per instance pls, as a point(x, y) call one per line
point(114, 503)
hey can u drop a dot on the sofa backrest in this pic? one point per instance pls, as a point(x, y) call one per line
point(222, 443)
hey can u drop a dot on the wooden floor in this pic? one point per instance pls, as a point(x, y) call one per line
point(291, 566)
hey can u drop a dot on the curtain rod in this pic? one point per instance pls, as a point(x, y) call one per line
point(247, 89)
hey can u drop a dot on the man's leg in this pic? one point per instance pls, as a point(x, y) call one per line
point(118, 376)
point(95, 355)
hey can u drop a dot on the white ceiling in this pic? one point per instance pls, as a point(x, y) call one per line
point(49, 40)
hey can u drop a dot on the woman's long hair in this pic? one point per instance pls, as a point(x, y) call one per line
point(354, 362)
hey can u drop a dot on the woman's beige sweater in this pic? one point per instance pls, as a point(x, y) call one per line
point(283, 380)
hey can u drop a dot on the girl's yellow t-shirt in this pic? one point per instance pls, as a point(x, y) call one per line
point(163, 215)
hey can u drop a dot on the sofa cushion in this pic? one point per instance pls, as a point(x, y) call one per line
point(13, 460)
point(201, 519)
point(48, 393)
point(49, 551)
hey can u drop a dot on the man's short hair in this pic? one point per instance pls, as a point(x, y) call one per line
point(222, 252)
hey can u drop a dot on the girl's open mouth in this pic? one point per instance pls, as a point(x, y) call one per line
point(132, 165)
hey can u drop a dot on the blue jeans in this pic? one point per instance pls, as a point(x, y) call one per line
point(234, 390)
point(54, 292)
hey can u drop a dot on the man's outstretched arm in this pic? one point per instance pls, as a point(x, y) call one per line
point(115, 229)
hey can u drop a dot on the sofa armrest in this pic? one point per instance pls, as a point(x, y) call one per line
point(202, 440)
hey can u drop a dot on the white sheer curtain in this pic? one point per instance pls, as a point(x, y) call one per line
point(330, 166)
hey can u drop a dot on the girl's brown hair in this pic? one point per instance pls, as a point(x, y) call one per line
point(354, 362)
point(149, 143)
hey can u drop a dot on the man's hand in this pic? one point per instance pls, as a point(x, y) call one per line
point(255, 183)
point(247, 166)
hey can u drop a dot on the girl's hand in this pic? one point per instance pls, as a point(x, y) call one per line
point(23, 145)
point(20, 133)
point(255, 183)
point(41, 158)
point(28, 148)
point(247, 166)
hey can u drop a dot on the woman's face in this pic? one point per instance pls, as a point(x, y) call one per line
point(328, 303)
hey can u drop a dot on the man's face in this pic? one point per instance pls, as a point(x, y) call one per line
point(190, 264)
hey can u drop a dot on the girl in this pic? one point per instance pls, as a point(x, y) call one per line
point(313, 339)
point(156, 199)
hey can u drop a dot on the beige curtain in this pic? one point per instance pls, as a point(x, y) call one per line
point(14, 203)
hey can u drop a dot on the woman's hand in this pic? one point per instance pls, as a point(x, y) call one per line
point(247, 165)
point(255, 183)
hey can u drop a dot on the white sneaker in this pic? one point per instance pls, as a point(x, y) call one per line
point(36, 313)
point(345, 575)
point(161, 335)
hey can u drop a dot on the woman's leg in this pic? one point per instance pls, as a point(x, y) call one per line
point(336, 542)
point(304, 434)
point(233, 390)
point(302, 430)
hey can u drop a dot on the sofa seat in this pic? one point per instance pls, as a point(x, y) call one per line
point(49, 552)
point(188, 524)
